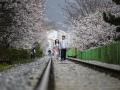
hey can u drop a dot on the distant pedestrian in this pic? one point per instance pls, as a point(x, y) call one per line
point(64, 47)
point(49, 52)
point(33, 52)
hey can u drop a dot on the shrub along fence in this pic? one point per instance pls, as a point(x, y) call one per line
point(108, 53)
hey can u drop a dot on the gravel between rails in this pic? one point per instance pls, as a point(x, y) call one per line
point(24, 76)
point(71, 76)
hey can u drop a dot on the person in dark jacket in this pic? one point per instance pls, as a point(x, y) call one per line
point(33, 52)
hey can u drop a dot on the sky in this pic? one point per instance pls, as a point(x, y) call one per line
point(54, 11)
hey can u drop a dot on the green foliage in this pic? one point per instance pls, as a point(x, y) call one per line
point(18, 54)
point(39, 51)
point(112, 19)
point(12, 55)
point(108, 54)
point(109, 18)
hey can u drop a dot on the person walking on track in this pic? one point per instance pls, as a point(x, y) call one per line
point(56, 49)
point(64, 47)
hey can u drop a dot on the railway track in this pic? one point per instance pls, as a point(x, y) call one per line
point(46, 80)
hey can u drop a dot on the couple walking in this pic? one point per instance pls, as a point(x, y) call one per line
point(60, 48)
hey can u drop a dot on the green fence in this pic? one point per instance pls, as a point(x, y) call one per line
point(108, 53)
point(72, 52)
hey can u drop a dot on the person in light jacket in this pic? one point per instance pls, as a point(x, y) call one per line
point(63, 46)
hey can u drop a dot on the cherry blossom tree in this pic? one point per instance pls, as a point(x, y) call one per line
point(25, 26)
point(86, 20)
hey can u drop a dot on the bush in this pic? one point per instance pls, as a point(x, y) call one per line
point(39, 51)
point(14, 55)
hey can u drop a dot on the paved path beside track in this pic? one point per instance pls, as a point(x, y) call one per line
point(98, 63)
point(71, 76)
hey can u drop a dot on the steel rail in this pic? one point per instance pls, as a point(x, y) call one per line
point(44, 81)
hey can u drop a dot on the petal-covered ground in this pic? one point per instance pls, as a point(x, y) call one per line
point(22, 77)
point(71, 76)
